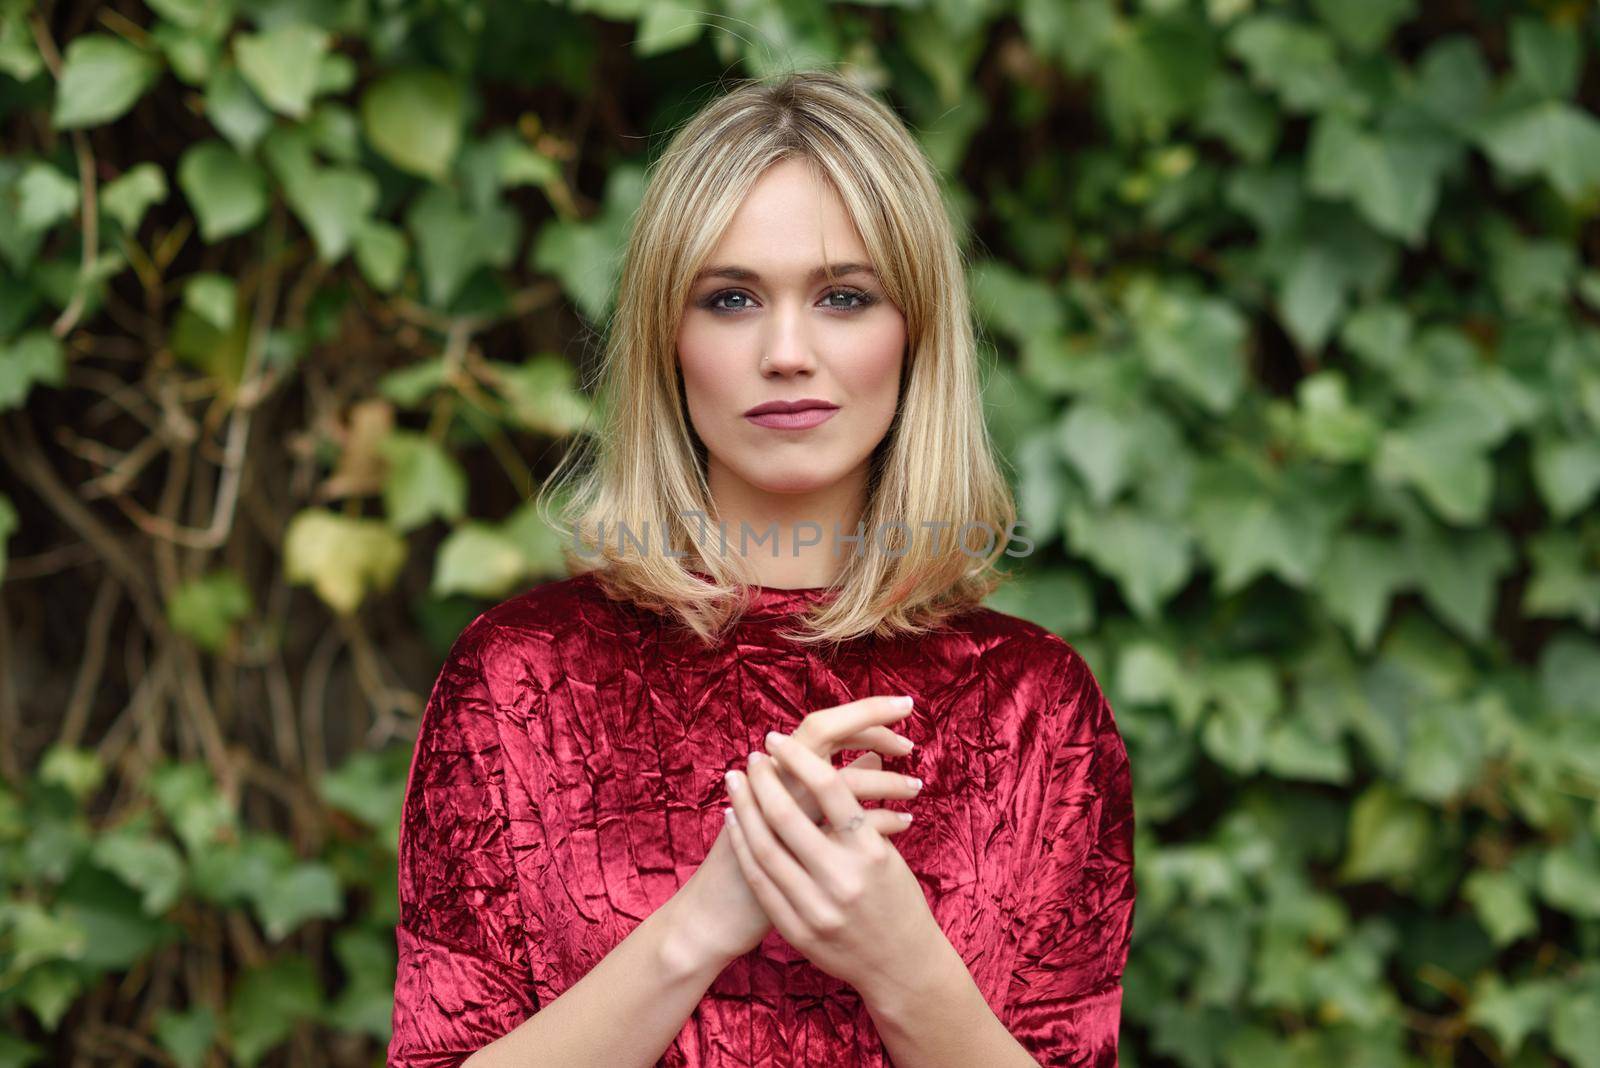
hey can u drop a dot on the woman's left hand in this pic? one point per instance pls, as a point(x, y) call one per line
point(844, 898)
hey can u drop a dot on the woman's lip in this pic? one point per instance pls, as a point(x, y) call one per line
point(801, 420)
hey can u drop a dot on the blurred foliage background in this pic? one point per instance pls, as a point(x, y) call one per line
point(1290, 318)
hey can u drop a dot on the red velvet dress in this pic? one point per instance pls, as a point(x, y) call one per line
point(567, 780)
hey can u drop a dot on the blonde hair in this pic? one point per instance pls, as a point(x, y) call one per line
point(936, 463)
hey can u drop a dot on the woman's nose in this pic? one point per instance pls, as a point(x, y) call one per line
point(788, 347)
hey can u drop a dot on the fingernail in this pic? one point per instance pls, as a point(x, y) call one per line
point(729, 817)
point(916, 783)
point(905, 817)
point(909, 744)
point(731, 777)
point(757, 756)
point(775, 739)
point(906, 702)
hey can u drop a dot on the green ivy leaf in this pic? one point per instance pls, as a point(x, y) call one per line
point(542, 394)
point(37, 935)
point(35, 358)
point(235, 110)
point(367, 1002)
point(668, 25)
point(266, 1005)
point(148, 864)
point(413, 118)
point(1502, 903)
point(1293, 59)
point(1302, 749)
point(1512, 1013)
point(1248, 701)
point(304, 892)
point(213, 297)
point(1195, 341)
point(1444, 749)
point(127, 198)
point(78, 771)
point(187, 1036)
point(478, 560)
point(1154, 71)
point(1574, 1025)
point(586, 255)
point(227, 191)
point(1239, 116)
point(1150, 559)
point(205, 609)
point(1360, 575)
point(282, 64)
point(1103, 446)
point(1459, 573)
point(1388, 837)
point(335, 204)
point(1569, 877)
point(45, 197)
point(1550, 138)
point(101, 78)
point(20, 58)
point(540, 545)
point(1330, 426)
point(1392, 176)
point(371, 787)
point(1075, 32)
point(342, 558)
point(1021, 307)
point(1546, 55)
point(1364, 24)
point(1250, 525)
point(1567, 472)
point(381, 252)
point(1566, 578)
point(199, 814)
point(453, 241)
point(422, 482)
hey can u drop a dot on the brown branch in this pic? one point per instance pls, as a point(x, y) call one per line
point(92, 667)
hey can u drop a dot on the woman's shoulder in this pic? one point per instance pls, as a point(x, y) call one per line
point(525, 634)
point(550, 607)
point(1031, 646)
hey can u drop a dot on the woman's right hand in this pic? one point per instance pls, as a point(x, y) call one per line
point(722, 918)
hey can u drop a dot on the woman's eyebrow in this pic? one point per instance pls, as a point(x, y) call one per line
point(744, 274)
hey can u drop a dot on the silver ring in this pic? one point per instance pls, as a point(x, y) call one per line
point(857, 820)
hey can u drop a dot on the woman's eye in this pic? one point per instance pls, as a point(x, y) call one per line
point(727, 294)
point(849, 294)
point(715, 302)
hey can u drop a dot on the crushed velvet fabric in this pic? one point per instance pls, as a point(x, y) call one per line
point(567, 780)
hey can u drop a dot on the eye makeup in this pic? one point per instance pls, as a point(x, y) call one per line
point(863, 300)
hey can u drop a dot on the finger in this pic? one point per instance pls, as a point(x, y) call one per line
point(779, 865)
point(879, 785)
point(839, 804)
point(766, 892)
point(880, 738)
point(864, 762)
point(860, 774)
point(886, 821)
point(830, 727)
point(811, 864)
point(863, 782)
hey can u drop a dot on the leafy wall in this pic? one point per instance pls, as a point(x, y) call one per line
point(1290, 314)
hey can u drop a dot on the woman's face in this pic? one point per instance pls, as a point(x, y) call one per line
point(763, 325)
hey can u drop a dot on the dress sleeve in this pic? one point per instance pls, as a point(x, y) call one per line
point(1065, 1000)
point(464, 978)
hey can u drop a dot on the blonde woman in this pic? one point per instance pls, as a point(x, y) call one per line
point(625, 840)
